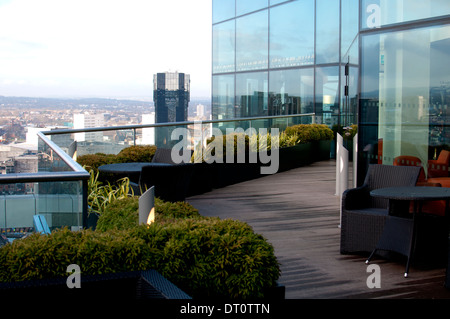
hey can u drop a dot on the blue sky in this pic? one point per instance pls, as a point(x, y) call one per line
point(102, 48)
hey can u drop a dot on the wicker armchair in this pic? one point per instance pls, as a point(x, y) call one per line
point(363, 217)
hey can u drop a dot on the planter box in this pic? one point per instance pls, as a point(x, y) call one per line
point(296, 156)
point(147, 284)
point(321, 150)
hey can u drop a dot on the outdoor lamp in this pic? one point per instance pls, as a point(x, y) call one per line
point(147, 207)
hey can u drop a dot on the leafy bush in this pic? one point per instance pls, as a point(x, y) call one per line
point(100, 196)
point(124, 213)
point(94, 161)
point(47, 256)
point(137, 153)
point(206, 257)
point(310, 132)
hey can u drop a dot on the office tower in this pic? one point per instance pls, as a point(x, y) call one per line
point(171, 96)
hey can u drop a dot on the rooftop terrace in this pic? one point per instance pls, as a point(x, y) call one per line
point(299, 214)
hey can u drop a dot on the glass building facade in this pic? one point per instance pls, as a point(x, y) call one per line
point(405, 84)
point(284, 57)
point(380, 64)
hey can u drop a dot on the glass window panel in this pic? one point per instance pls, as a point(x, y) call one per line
point(349, 101)
point(327, 31)
point(252, 42)
point(406, 91)
point(327, 95)
point(274, 2)
point(252, 94)
point(246, 6)
point(291, 92)
point(223, 10)
point(224, 47)
point(376, 13)
point(223, 97)
point(292, 34)
point(349, 32)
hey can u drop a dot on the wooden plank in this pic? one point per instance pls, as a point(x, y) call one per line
point(298, 213)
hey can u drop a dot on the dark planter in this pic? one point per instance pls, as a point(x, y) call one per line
point(277, 292)
point(202, 180)
point(295, 156)
point(147, 284)
point(321, 150)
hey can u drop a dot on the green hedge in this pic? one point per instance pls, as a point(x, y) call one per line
point(206, 257)
point(310, 132)
point(137, 153)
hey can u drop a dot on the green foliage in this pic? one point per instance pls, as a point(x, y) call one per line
point(206, 257)
point(138, 153)
point(47, 256)
point(310, 132)
point(94, 161)
point(211, 257)
point(100, 196)
point(124, 213)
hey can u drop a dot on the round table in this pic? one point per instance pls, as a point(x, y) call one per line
point(399, 233)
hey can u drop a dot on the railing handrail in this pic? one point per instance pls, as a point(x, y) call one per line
point(185, 123)
point(63, 155)
point(67, 176)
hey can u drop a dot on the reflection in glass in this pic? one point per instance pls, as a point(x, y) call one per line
point(383, 12)
point(327, 31)
point(224, 47)
point(409, 103)
point(349, 32)
point(252, 42)
point(327, 95)
point(292, 34)
point(349, 97)
point(291, 92)
point(246, 6)
point(274, 2)
point(223, 10)
point(252, 94)
point(223, 97)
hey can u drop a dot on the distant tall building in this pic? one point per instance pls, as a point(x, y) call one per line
point(171, 96)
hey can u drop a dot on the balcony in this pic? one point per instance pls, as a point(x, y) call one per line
point(296, 210)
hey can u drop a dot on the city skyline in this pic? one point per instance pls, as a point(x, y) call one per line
point(108, 49)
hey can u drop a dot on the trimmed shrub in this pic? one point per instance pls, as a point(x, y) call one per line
point(47, 256)
point(311, 132)
point(94, 161)
point(137, 153)
point(124, 213)
point(206, 257)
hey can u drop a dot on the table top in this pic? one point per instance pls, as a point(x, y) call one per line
point(412, 193)
point(127, 167)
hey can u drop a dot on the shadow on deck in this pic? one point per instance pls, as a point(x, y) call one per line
point(298, 212)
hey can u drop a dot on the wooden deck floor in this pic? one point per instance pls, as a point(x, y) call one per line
point(298, 212)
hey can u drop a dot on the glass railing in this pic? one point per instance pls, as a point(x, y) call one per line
point(57, 188)
point(111, 140)
point(54, 186)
